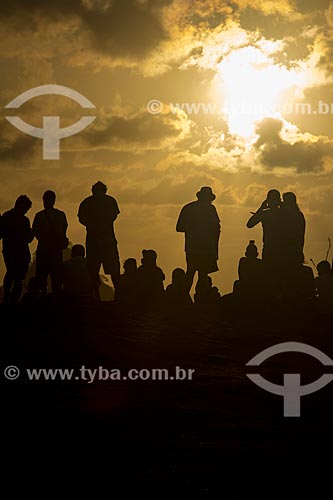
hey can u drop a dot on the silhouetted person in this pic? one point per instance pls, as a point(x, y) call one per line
point(128, 285)
point(50, 227)
point(77, 282)
point(200, 223)
point(177, 294)
point(98, 213)
point(206, 293)
point(31, 297)
point(150, 279)
point(269, 215)
point(293, 231)
point(324, 282)
point(250, 272)
point(16, 235)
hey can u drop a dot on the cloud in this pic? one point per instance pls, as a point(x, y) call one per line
point(302, 153)
point(268, 7)
point(139, 131)
point(128, 28)
point(329, 15)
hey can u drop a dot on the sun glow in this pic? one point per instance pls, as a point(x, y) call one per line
point(250, 85)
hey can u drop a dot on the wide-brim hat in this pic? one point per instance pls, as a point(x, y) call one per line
point(206, 193)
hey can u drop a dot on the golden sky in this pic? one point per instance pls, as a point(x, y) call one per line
point(263, 68)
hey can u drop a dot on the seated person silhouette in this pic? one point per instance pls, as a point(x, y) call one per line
point(150, 279)
point(177, 293)
point(250, 272)
point(206, 293)
point(324, 282)
point(32, 295)
point(77, 282)
point(128, 289)
point(16, 235)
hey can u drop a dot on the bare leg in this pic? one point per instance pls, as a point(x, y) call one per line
point(190, 272)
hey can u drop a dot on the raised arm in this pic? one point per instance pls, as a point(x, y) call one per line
point(257, 217)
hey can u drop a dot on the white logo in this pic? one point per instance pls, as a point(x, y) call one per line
point(51, 133)
point(291, 390)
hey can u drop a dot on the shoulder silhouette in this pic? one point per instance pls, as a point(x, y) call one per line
point(150, 279)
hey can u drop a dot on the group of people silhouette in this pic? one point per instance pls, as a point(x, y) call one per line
point(279, 274)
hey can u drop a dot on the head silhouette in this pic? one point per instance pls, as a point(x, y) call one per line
point(99, 189)
point(22, 204)
point(273, 198)
point(130, 266)
point(290, 200)
point(78, 251)
point(251, 250)
point(49, 198)
point(206, 195)
point(324, 267)
point(149, 257)
point(178, 277)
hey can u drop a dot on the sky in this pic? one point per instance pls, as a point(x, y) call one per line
point(233, 95)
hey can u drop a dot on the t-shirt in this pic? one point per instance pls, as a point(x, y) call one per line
point(97, 213)
point(15, 231)
point(201, 225)
point(49, 227)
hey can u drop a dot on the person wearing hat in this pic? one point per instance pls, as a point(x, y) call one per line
point(201, 224)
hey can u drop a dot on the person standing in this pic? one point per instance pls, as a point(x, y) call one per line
point(98, 213)
point(294, 231)
point(16, 235)
point(270, 216)
point(50, 227)
point(201, 224)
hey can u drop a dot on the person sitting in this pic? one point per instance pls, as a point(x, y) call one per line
point(32, 295)
point(250, 272)
point(128, 290)
point(177, 292)
point(206, 293)
point(150, 279)
point(324, 282)
point(77, 282)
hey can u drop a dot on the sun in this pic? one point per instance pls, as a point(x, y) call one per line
point(250, 85)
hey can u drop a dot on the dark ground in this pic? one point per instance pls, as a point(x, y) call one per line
point(190, 433)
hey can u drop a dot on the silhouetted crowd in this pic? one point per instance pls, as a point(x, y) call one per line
point(280, 276)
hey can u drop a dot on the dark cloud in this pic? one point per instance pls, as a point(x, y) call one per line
point(128, 28)
point(142, 130)
point(310, 5)
point(15, 147)
point(302, 155)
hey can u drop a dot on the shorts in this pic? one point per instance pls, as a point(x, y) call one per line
point(104, 254)
point(205, 263)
